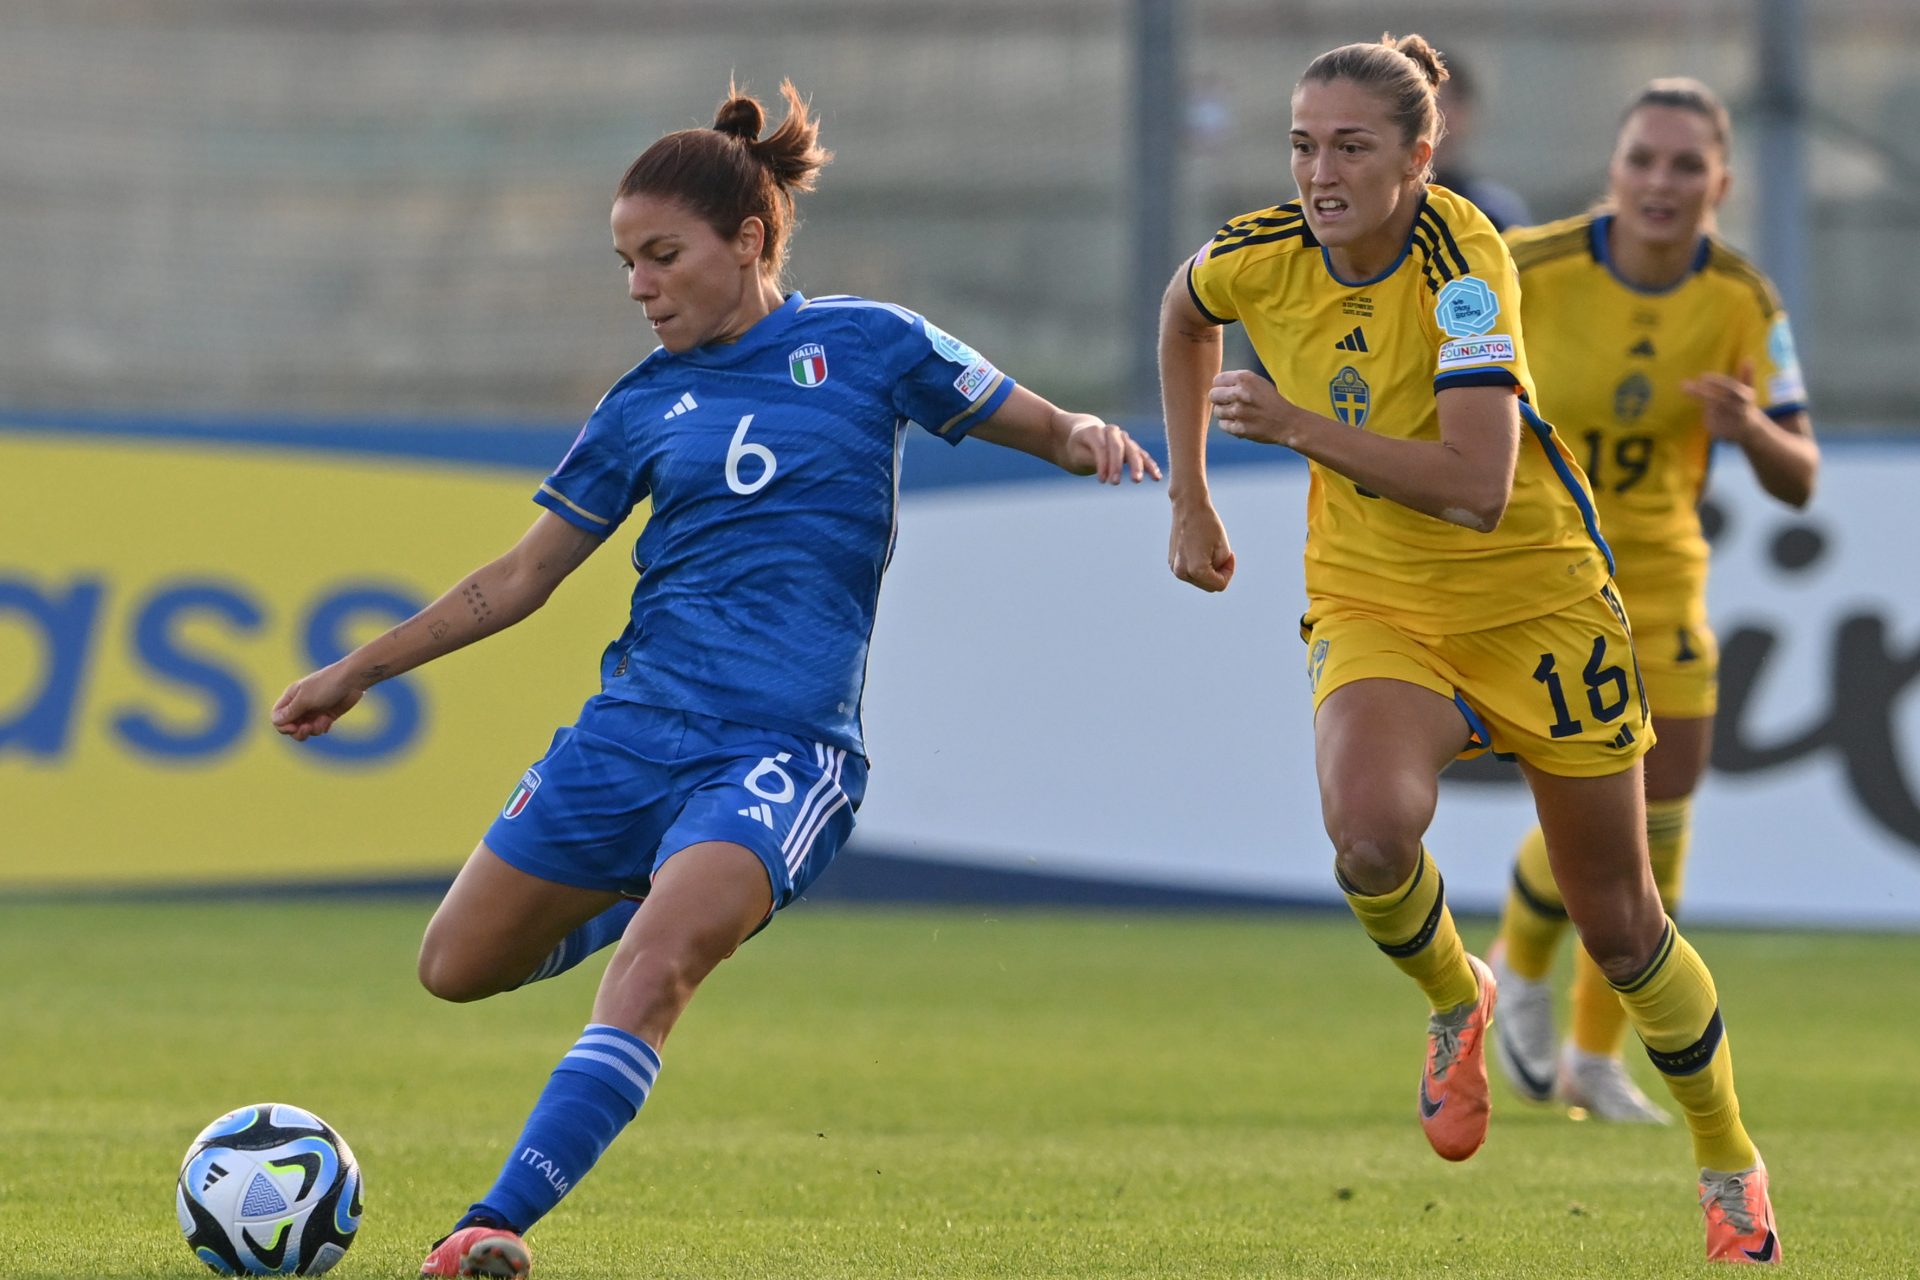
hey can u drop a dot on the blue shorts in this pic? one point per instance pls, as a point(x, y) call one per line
point(628, 786)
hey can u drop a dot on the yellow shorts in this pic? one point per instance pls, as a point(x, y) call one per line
point(1561, 692)
point(1680, 662)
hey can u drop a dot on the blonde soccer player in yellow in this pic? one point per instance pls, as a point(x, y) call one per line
point(1651, 340)
point(1458, 587)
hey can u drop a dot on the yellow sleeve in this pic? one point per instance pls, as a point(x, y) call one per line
point(1778, 386)
point(1476, 312)
point(1210, 280)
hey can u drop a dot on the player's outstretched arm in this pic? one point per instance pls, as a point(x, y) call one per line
point(1190, 354)
point(491, 598)
point(1076, 442)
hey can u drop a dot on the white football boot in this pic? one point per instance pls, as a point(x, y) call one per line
point(1523, 1036)
point(1600, 1085)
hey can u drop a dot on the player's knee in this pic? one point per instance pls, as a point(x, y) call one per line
point(1620, 966)
point(448, 977)
point(1376, 847)
point(1374, 867)
point(647, 992)
point(1621, 948)
point(667, 983)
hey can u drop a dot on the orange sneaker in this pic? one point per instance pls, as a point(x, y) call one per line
point(1453, 1086)
point(1739, 1216)
point(479, 1251)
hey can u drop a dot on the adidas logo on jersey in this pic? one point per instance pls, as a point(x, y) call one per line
point(1623, 739)
point(1355, 341)
point(759, 813)
point(680, 406)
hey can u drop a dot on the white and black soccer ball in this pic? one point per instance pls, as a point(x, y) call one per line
point(269, 1189)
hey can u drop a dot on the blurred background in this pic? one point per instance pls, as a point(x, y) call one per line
point(300, 298)
point(397, 208)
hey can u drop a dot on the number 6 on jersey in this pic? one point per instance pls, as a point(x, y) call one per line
point(741, 449)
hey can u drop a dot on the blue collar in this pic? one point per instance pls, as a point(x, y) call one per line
point(1597, 245)
point(1405, 249)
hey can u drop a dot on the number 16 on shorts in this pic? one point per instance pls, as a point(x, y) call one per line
point(1587, 689)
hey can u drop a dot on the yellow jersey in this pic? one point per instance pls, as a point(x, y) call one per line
point(1374, 354)
point(1610, 359)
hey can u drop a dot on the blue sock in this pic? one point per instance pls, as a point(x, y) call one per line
point(592, 1095)
point(602, 931)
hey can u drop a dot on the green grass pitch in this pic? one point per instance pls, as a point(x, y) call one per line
point(950, 1093)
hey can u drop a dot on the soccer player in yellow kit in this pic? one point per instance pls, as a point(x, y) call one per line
point(1651, 340)
point(1458, 587)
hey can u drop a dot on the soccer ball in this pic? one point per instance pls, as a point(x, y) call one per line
point(269, 1189)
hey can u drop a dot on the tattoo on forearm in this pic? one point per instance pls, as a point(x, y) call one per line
point(476, 601)
point(375, 673)
point(438, 628)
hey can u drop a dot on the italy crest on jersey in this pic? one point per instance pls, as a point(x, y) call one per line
point(808, 364)
point(1350, 396)
point(517, 802)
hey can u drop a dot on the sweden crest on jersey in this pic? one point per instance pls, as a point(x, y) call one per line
point(1631, 397)
point(1350, 396)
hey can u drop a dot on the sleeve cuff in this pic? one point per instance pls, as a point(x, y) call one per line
point(1195, 295)
point(579, 517)
point(982, 409)
point(1493, 377)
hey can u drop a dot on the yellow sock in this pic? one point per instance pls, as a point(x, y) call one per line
point(1669, 829)
point(1535, 917)
point(1413, 926)
point(1675, 1009)
point(1599, 1023)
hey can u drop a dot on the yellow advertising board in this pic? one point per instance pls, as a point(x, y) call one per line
point(156, 596)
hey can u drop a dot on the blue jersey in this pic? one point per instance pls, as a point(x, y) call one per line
point(774, 468)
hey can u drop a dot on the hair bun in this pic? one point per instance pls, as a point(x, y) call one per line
point(1423, 55)
point(740, 117)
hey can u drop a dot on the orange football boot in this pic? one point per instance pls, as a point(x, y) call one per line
point(479, 1251)
point(1739, 1216)
point(1453, 1085)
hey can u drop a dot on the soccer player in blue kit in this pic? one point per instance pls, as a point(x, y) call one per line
point(716, 773)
